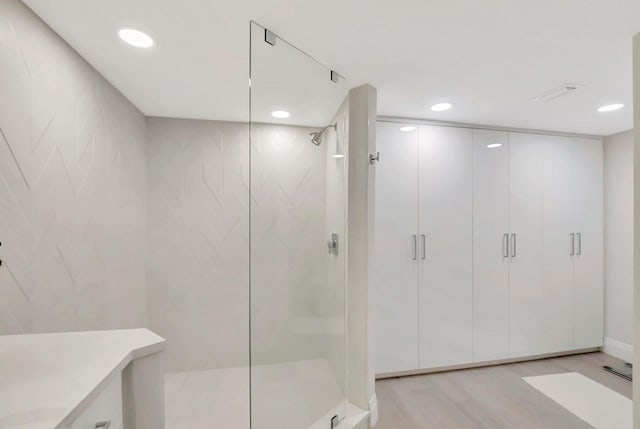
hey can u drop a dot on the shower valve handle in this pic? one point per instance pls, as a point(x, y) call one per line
point(333, 244)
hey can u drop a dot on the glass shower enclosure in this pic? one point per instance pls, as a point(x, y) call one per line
point(298, 158)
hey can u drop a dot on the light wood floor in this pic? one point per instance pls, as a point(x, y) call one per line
point(488, 398)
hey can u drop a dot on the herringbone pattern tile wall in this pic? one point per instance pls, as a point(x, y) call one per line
point(198, 222)
point(105, 214)
point(72, 186)
point(288, 246)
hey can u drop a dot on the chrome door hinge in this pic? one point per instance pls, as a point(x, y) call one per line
point(374, 158)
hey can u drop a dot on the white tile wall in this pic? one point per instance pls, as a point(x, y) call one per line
point(336, 212)
point(288, 279)
point(72, 186)
point(104, 214)
point(198, 220)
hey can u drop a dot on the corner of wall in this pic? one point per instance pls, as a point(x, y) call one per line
point(636, 197)
point(618, 349)
point(373, 410)
point(362, 114)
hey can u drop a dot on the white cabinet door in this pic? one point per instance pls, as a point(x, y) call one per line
point(588, 262)
point(395, 264)
point(526, 239)
point(490, 260)
point(556, 311)
point(445, 246)
point(106, 407)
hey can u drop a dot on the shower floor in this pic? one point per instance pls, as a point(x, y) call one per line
point(292, 394)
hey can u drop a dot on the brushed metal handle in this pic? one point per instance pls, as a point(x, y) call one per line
point(505, 246)
point(514, 252)
point(333, 244)
point(414, 255)
point(103, 425)
point(572, 237)
point(424, 246)
point(579, 235)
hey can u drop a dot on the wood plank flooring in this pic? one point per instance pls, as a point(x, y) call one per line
point(488, 398)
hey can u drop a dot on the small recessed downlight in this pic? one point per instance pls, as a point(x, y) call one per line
point(407, 128)
point(494, 145)
point(135, 38)
point(610, 107)
point(280, 114)
point(441, 107)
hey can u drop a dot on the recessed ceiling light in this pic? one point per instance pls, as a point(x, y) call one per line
point(135, 38)
point(280, 114)
point(407, 128)
point(338, 155)
point(441, 107)
point(494, 145)
point(610, 107)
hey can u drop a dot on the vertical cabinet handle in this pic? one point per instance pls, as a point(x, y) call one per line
point(572, 237)
point(513, 246)
point(505, 246)
point(579, 235)
point(424, 246)
point(414, 254)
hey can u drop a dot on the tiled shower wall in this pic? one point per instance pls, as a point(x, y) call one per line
point(72, 188)
point(86, 180)
point(198, 218)
point(198, 211)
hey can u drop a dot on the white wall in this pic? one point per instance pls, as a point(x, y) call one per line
point(78, 219)
point(289, 305)
point(618, 194)
point(198, 222)
point(336, 218)
point(636, 223)
point(361, 204)
point(72, 188)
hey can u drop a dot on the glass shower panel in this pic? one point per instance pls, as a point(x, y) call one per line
point(299, 121)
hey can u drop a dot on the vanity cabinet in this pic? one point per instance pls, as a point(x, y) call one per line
point(105, 411)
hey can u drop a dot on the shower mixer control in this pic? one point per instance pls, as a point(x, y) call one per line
point(333, 244)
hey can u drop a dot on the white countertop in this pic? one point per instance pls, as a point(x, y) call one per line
point(46, 379)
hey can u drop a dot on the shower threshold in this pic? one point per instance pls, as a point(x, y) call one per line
point(290, 393)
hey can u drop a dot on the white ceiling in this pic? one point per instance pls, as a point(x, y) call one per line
point(488, 57)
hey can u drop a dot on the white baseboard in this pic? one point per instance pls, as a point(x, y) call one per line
point(485, 363)
point(618, 349)
point(373, 411)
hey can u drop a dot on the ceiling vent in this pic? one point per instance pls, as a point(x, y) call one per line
point(567, 88)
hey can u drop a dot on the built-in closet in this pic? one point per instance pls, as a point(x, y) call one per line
point(488, 246)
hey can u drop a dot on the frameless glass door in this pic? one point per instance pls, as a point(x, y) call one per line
point(298, 191)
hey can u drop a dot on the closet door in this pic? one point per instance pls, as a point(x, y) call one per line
point(556, 311)
point(445, 246)
point(490, 257)
point(395, 258)
point(588, 262)
point(526, 244)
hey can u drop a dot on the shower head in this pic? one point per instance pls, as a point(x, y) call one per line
point(316, 136)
